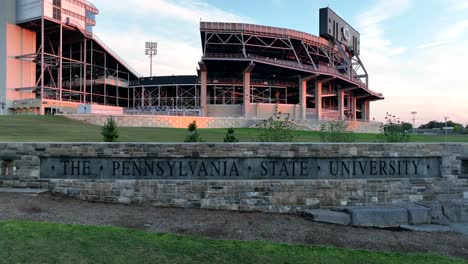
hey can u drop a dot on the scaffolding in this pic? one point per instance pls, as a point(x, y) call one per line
point(73, 66)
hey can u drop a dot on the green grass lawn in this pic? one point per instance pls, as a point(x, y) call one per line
point(61, 129)
point(28, 242)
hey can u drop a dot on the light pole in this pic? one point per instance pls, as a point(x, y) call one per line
point(151, 49)
point(446, 128)
point(414, 119)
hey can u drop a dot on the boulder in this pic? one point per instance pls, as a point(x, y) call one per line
point(378, 216)
point(328, 216)
point(417, 214)
point(456, 210)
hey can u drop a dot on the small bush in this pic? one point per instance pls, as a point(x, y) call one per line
point(276, 129)
point(193, 135)
point(393, 131)
point(230, 137)
point(109, 130)
point(336, 131)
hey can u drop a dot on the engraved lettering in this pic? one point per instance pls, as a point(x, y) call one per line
point(284, 170)
point(126, 168)
point(416, 167)
point(234, 170)
point(363, 169)
point(202, 169)
point(264, 168)
point(181, 168)
point(86, 168)
point(136, 167)
point(304, 170)
point(345, 166)
point(382, 167)
point(391, 170)
point(214, 168)
point(115, 167)
point(160, 171)
point(171, 167)
point(331, 168)
point(65, 166)
point(373, 167)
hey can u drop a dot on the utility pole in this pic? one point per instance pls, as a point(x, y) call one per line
point(151, 49)
point(446, 128)
point(414, 119)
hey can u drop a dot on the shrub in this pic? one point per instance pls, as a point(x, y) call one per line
point(230, 137)
point(336, 131)
point(109, 130)
point(393, 131)
point(276, 129)
point(193, 135)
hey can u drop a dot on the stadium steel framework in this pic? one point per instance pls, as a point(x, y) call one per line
point(54, 62)
point(61, 63)
point(251, 71)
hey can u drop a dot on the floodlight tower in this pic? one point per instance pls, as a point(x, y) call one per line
point(446, 128)
point(414, 118)
point(151, 49)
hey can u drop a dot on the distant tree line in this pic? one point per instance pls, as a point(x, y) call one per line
point(457, 128)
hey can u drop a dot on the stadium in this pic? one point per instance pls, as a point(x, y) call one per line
point(51, 62)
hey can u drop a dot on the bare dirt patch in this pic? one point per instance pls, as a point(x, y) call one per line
point(227, 225)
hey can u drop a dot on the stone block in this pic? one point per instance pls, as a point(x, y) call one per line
point(456, 210)
point(415, 197)
point(327, 216)
point(417, 214)
point(312, 202)
point(378, 216)
point(437, 214)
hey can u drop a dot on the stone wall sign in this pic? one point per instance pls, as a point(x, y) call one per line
point(239, 168)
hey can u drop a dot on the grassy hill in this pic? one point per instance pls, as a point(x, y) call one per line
point(28, 242)
point(61, 129)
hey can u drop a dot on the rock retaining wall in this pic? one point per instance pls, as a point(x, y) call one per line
point(212, 122)
point(20, 165)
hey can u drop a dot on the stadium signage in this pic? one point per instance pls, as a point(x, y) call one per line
point(238, 168)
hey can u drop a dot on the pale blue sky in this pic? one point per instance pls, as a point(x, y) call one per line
point(416, 51)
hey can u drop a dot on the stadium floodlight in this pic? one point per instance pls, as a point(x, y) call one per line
point(446, 127)
point(414, 113)
point(151, 49)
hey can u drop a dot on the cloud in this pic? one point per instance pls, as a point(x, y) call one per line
point(455, 31)
point(458, 5)
point(125, 25)
point(433, 44)
point(430, 81)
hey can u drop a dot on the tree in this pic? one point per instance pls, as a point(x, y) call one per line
point(230, 137)
point(277, 129)
point(435, 124)
point(458, 128)
point(336, 131)
point(393, 131)
point(109, 130)
point(407, 126)
point(193, 135)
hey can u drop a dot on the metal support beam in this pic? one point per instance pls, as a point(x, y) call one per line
point(42, 110)
point(354, 111)
point(318, 99)
point(341, 95)
point(303, 98)
point(247, 103)
point(204, 90)
point(310, 57)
